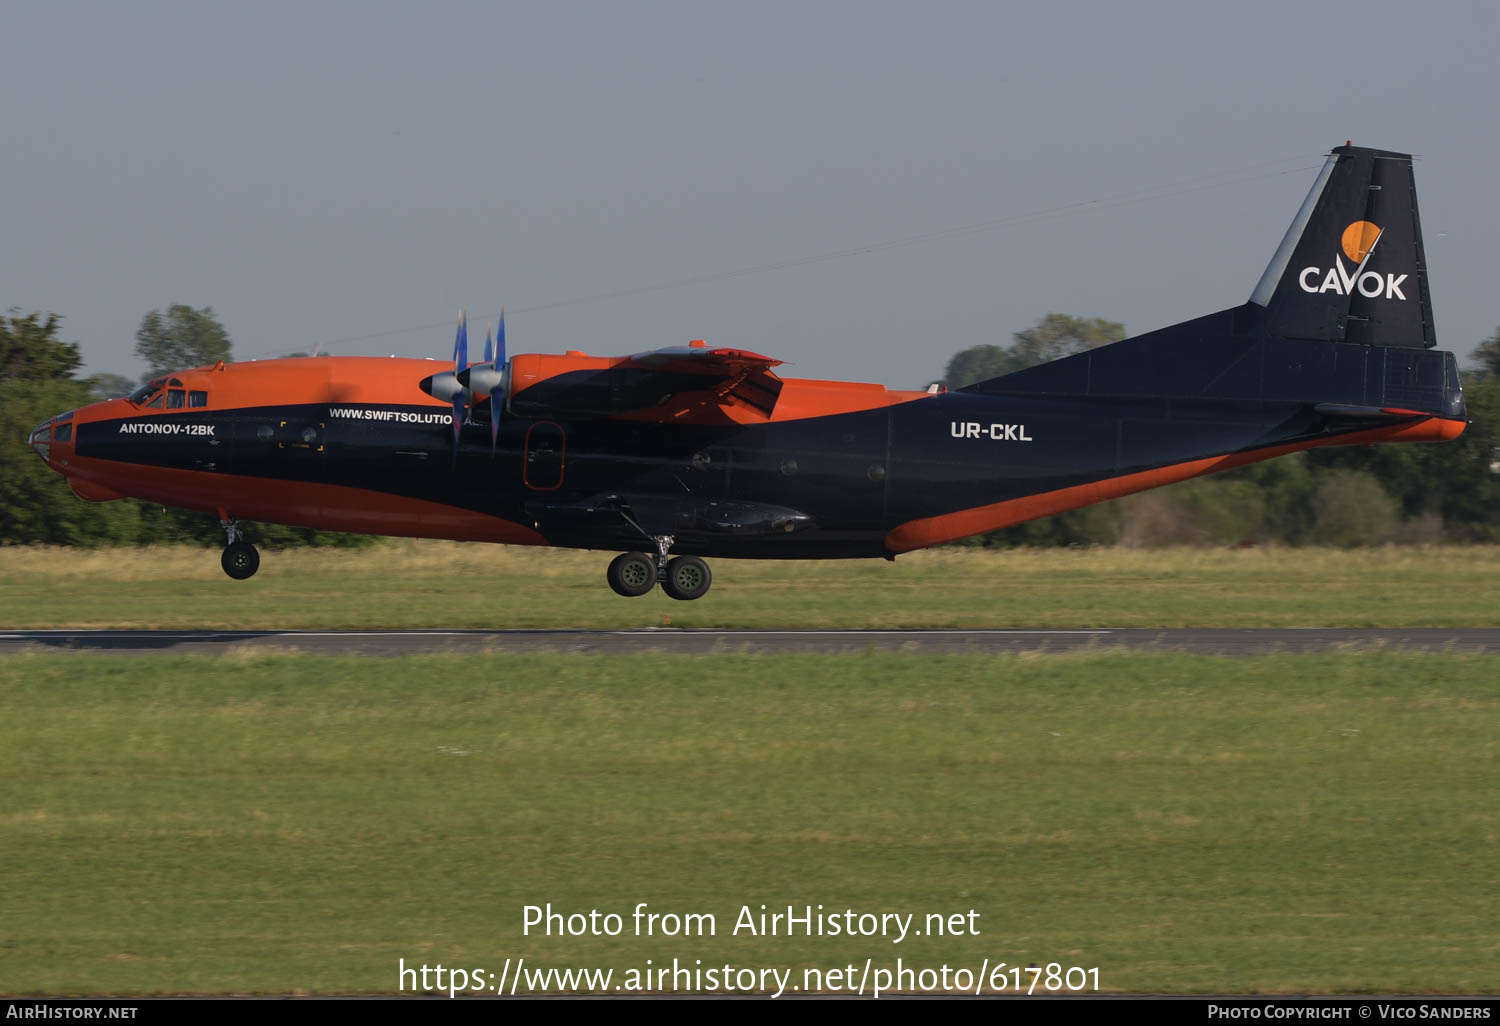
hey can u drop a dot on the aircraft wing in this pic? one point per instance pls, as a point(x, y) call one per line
point(703, 360)
point(730, 373)
point(578, 385)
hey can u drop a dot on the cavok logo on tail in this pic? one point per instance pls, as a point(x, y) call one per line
point(1358, 243)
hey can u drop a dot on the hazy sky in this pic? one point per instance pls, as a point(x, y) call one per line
point(321, 171)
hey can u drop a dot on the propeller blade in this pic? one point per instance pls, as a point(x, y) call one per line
point(460, 364)
point(458, 423)
point(489, 344)
point(495, 397)
point(461, 342)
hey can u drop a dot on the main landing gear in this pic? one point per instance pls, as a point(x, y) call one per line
point(681, 577)
point(240, 559)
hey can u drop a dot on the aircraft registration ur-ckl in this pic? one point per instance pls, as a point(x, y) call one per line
point(679, 453)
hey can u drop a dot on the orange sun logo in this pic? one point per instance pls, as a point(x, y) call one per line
point(1358, 238)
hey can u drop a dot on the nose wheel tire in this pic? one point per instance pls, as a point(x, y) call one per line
point(631, 574)
point(688, 577)
point(240, 560)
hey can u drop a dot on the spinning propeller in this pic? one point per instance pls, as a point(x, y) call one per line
point(491, 377)
point(460, 364)
point(467, 384)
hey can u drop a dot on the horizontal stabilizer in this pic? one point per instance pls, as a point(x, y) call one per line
point(1346, 411)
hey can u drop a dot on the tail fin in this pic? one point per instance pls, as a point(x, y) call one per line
point(1350, 270)
point(1351, 267)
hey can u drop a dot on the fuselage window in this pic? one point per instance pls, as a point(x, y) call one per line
point(197, 398)
point(176, 399)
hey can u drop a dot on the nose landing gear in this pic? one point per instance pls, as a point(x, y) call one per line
point(240, 559)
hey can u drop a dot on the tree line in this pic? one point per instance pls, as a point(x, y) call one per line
point(1361, 495)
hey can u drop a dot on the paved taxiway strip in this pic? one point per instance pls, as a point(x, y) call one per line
point(392, 643)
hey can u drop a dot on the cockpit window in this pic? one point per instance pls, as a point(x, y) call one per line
point(197, 398)
point(176, 399)
point(149, 394)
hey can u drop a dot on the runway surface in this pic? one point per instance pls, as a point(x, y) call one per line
point(393, 643)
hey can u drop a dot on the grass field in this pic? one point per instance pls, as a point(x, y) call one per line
point(439, 584)
point(283, 823)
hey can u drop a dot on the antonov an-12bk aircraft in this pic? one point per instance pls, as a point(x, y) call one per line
point(679, 453)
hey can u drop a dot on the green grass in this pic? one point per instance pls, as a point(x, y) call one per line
point(283, 823)
point(440, 584)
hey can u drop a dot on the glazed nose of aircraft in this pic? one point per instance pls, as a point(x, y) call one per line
point(41, 440)
point(50, 433)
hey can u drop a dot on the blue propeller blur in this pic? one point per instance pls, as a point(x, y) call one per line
point(460, 364)
point(474, 380)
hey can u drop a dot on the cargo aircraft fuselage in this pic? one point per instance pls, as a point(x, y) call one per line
point(680, 453)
